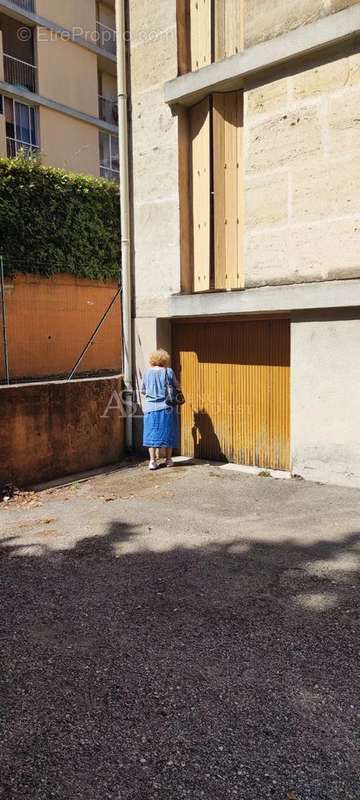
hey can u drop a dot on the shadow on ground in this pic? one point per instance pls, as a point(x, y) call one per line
point(219, 672)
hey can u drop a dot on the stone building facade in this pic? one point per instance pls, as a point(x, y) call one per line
point(296, 69)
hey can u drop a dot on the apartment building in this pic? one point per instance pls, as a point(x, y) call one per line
point(245, 145)
point(58, 92)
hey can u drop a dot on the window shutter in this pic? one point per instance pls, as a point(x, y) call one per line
point(200, 148)
point(228, 189)
point(200, 33)
point(229, 31)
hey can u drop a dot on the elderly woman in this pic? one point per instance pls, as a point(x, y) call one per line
point(161, 422)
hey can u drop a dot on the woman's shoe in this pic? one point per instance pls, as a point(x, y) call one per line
point(169, 463)
point(153, 465)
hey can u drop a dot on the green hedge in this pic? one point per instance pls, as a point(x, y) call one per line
point(54, 221)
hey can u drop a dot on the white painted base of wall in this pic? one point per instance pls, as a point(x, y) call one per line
point(183, 461)
point(273, 473)
point(329, 473)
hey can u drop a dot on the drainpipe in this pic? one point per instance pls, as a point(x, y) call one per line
point(124, 214)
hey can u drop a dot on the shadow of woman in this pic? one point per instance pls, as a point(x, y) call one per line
point(206, 442)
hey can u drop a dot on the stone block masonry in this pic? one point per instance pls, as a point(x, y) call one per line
point(302, 143)
point(265, 20)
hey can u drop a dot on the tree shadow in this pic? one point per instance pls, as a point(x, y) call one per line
point(222, 671)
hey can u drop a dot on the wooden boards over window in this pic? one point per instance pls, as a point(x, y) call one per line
point(183, 35)
point(228, 189)
point(200, 33)
point(229, 30)
point(207, 31)
point(216, 204)
point(201, 187)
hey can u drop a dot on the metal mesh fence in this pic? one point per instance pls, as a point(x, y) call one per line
point(61, 327)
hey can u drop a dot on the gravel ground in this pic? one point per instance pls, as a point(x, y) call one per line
point(192, 633)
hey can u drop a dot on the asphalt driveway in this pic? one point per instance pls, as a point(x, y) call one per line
point(190, 633)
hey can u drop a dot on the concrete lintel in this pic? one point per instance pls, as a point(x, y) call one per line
point(268, 299)
point(29, 17)
point(230, 73)
point(37, 100)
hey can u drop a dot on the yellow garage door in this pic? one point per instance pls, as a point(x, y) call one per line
point(236, 380)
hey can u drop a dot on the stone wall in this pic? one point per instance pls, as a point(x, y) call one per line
point(153, 60)
point(302, 175)
point(266, 19)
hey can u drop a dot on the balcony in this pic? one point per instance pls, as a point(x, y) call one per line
point(27, 5)
point(16, 146)
point(106, 38)
point(20, 73)
point(108, 109)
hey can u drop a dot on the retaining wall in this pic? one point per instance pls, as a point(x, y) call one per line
point(50, 430)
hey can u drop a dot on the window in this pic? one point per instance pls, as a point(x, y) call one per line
point(21, 128)
point(109, 157)
point(211, 194)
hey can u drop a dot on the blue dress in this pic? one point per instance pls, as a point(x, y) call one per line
point(161, 422)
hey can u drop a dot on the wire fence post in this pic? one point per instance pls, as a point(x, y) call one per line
point(4, 326)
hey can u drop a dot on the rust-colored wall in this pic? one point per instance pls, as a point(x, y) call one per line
point(54, 429)
point(50, 320)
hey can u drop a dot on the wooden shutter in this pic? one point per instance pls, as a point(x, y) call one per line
point(200, 33)
point(228, 189)
point(229, 28)
point(200, 147)
point(183, 35)
point(185, 182)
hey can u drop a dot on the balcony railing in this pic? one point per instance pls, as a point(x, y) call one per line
point(27, 5)
point(15, 146)
point(106, 37)
point(108, 109)
point(110, 174)
point(20, 73)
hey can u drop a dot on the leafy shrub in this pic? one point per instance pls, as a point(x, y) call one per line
point(54, 221)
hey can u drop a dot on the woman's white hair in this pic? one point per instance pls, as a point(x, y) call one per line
point(159, 358)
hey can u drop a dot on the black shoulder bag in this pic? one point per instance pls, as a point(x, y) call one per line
point(173, 397)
